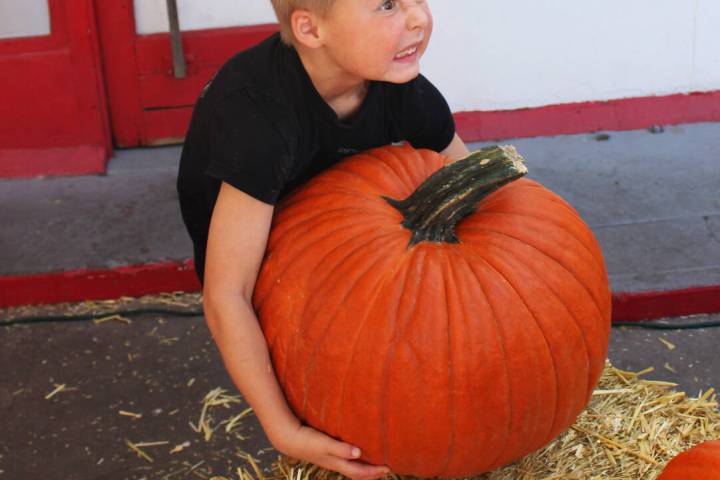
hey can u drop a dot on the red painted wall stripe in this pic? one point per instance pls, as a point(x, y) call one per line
point(571, 118)
point(81, 285)
point(170, 124)
point(566, 119)
point(671, 303)
point(138, 280)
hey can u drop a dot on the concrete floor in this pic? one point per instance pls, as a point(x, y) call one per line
point(652, 200)
point(158, 367)
point(163, 366)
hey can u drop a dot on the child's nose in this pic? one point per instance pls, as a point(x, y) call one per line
point(417, 15)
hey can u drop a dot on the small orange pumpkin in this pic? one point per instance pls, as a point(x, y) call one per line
point(447, 334)
point(701, 462)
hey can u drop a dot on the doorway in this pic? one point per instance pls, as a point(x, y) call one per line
point(82, 81)
point(149, 104)
point(53, 109)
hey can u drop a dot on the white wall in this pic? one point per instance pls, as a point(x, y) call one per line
point(507, 54)
point(24, 18)
point(151, 15)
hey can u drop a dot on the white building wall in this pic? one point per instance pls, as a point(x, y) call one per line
point(151, 15)
point(24, 18)
point(508, 54)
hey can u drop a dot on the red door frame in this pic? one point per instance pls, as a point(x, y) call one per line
point(53, 113)
point(148, 106)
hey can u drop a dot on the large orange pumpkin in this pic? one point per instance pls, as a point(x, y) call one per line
point(701, 462)
point(438, 345)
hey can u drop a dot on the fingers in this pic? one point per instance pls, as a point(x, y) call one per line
point(344, 450)
point(355, 469)
point(339, 456)
point(360, 471)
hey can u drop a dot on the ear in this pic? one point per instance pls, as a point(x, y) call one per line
point(305, 28)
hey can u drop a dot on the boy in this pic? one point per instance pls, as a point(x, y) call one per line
point(342, 76)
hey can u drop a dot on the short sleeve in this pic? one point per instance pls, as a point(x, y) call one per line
point(246, 148)
point(425, 117)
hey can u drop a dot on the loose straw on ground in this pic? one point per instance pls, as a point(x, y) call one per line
point(629, 431)
point(109, 318)
point(106, 310)
point(668, 344)
point(59, 388)
point(218, 398)
point(137, 448)
point(134, 415)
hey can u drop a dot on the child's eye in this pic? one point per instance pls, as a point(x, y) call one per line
point(387, 5)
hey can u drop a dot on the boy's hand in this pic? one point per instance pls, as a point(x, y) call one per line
point(313, 446)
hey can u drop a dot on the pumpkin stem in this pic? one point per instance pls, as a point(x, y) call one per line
point(451, 193)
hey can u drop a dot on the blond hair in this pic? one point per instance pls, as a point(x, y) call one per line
point(285, 8)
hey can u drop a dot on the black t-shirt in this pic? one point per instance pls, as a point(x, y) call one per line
point(261, 126)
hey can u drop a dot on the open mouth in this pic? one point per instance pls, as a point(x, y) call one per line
point(407, 52)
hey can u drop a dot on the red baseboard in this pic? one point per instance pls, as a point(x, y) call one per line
point(672, 303)
point(138, 280)
point(566, 119)
point(583, 117)
point(28, 162)
point(82, 285)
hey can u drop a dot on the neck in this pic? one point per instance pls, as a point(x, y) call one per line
point(343, 92)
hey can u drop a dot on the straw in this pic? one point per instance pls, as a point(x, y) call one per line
point(125, 413)
point(629, 431)
point(110, 318)
point(59, 388)
point(137, 448)
point(216, 398)
point(106, 310)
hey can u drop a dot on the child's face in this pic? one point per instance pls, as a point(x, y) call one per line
point(378, 39)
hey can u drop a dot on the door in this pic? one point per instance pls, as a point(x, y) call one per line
point(148, 104)
point(53, 114)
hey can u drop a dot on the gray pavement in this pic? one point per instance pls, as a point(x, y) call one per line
point(161, 367)
point(128, 216)
point(156, 370)
point(652, 199)
point(686, 357)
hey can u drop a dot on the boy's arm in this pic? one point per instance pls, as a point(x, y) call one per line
point(457, 149)
point(237, 240)
point(236, 244)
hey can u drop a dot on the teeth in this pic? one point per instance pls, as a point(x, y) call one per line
point(406, 53)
